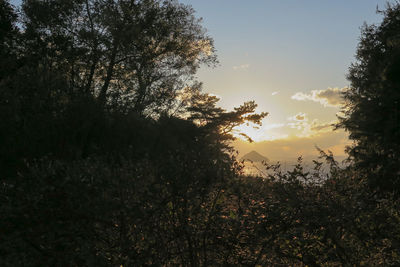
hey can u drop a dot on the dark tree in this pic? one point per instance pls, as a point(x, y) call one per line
point(372, 112)
point(110, 155)
point(105, 159)
point(8, 33)
point(138, 52)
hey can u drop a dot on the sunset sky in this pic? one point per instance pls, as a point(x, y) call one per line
point(291, 57)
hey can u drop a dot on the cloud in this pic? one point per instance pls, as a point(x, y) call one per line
point(275, 93)
point(290, 148)
point(299, 122)
point(305, 128)
point(331, 97)
point(299, 117)
point(318, 127)
point(260, 133)
point(273, 126)
point(242, 67)
point(296, 126)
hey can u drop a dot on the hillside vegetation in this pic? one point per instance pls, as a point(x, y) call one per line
point(111, 155)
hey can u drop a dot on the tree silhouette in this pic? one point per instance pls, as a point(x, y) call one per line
point(103, 162)
point(137, 52)
point(110, 154)
point(372, 113)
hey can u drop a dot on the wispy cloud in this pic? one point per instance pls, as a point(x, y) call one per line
point(322, 127)
point(306, 128)
point(331, 97)
point(242, 67)
point(275, 93)
point(265, 132)
point(299, 117)
point(273, 126)
point(300, 123)
point(290, 148)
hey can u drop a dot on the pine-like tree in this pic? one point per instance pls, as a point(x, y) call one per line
point(373, 102)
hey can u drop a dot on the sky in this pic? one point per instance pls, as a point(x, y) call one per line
point(291, 57)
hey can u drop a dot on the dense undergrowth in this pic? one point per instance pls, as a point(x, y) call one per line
point(108, 158)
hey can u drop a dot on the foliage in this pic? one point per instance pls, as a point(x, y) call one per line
point(373, 102)
point(203, 111)
point(92, 172)
point(317, 218)
point(134, 52)
point(108, 157)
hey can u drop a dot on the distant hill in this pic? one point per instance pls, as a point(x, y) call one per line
point(254, 156)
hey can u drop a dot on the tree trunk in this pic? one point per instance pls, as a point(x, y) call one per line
point(110, 70)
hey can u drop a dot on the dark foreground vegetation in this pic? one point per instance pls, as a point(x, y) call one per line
point(110, 154)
